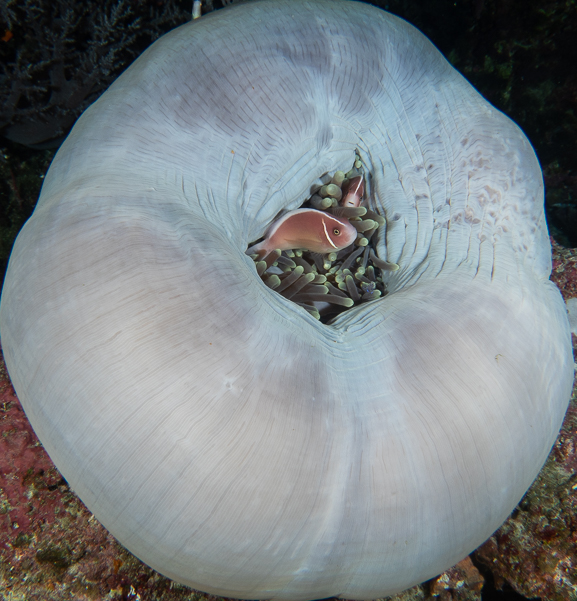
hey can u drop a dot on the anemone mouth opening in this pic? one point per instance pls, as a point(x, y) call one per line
point(326, 285)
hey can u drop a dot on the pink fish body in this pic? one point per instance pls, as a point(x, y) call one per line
point(353, 192)
point(309, 229)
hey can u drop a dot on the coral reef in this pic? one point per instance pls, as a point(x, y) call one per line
point(565, 270)
point(58, 57)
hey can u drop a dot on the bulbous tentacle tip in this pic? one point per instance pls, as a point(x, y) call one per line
point(381, 264)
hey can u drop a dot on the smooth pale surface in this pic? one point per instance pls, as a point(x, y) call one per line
point(221, 433)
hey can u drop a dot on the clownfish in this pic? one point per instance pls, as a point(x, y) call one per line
point(308, 229)
point(353, 192)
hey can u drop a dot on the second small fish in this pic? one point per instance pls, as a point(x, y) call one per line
point(353, 192)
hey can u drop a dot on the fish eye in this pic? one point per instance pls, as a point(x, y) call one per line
point(336, 231)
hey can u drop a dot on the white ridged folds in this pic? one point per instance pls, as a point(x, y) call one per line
point(217, 430)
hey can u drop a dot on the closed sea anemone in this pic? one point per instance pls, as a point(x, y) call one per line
point(224, 434)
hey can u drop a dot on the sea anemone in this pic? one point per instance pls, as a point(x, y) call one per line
point(220, 431)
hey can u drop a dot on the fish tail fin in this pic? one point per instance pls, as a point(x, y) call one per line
point(257, 249)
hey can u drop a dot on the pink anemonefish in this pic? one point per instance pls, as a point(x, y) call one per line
point(309, 229)
point(353, 192)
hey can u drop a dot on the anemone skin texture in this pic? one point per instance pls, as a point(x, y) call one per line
point(222, 434)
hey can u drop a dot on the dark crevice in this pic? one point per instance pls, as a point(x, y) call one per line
point(491, 592)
